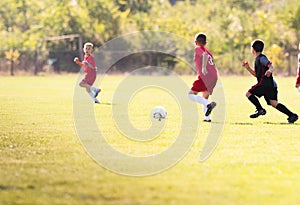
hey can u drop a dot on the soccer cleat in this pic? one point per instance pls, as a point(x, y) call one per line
point(210, 107)
point(97, 101)
point(293, 118)
point(258, 113)
point(206, 120)
point(97, 92)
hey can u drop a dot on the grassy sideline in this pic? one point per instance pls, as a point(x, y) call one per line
point(43, 162)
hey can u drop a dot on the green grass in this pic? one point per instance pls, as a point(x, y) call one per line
point(43, 162)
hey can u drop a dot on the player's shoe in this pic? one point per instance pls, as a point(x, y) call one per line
point(258, 113)
point(97, 101)
point(210, 107)
point(206, 120)
point(293, 118)
point(97, 92)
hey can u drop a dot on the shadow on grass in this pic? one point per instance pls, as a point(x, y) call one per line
point(280, 123)
point(266, 123)
point(106, 103)
point(233, 123)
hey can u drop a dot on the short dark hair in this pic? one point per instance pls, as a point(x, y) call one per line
point(201, 38)
point(258, 45)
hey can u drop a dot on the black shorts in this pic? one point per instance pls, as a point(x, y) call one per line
point(269, 92)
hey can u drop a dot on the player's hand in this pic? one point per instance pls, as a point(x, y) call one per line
point(268, 73)
point(77, 61)
point(245, 64)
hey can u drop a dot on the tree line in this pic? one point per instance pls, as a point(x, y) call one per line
point(230, 26)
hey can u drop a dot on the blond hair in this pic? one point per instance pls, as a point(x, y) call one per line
point(88, 44)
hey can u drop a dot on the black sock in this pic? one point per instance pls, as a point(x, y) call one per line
point(283, 109)
point(255, 101)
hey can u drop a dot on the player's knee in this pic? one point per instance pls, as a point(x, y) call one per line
point(81, 84)
point(273, 103)
point(248, 94)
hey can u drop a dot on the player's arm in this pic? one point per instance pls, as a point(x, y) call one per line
point(270, 70)
point(198, 58)
point(245, 64)
point(88, 64)
point(264, 61)
point(204, 63)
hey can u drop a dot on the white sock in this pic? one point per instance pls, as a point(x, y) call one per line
point(198, 99)
point(204, 111)
point(93, 89)
point(298, 89)
point(92, 96)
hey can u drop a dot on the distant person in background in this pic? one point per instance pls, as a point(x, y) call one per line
point(207, 76)
point(90, 71)
point(266, 85)
point(298, 73)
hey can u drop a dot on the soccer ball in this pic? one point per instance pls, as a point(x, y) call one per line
point(159, 112)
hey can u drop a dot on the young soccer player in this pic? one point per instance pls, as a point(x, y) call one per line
point(90, 71)
point(266, 85)
point(207, 76)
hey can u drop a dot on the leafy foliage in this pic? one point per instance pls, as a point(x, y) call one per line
point(230, 25)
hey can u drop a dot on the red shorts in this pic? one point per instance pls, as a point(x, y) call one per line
point(204, 84)
point(89, 79)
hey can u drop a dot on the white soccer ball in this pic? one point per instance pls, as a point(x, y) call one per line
point(159, 112)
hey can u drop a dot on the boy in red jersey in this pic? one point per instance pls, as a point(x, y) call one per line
point(266, 85)
point(90, 71)
point(207, 76)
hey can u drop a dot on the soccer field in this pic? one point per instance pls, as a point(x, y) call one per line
point(42, 159)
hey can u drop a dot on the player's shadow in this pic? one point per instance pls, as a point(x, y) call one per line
point(107, 103)
point(232, 123)
point(279, 123)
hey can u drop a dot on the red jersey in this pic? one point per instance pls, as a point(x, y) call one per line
point(211, 68)
point(208, 81)
point(90, 74)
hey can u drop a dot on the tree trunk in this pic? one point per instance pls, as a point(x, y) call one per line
point(12, 68)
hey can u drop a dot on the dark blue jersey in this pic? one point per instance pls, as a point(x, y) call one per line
point(261, 66)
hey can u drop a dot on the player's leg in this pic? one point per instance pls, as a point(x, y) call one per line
point(86, 86)
point(205, 95)
point(196, 98)
point(259, 109)
point(95, 90)
point(271, 99)
point(88, 90)
point(198, 86)
point(209, 107)
point(292, 117)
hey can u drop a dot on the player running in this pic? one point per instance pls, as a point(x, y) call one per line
point(207, 76)
point(266, 85)
point(90, 71)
